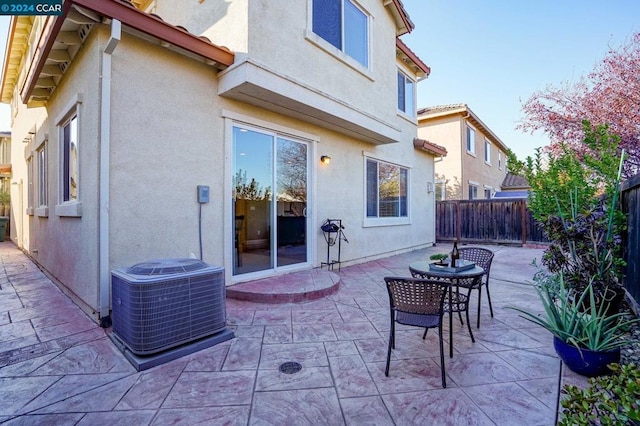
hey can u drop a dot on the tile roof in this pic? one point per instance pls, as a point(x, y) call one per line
point(514, 181)
point(430, 147)
point(442, 108)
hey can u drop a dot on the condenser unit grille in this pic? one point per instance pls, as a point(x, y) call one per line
point(154, 313)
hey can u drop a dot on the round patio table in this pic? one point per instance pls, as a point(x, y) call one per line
point(458, 302)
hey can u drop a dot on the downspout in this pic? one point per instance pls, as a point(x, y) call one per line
point(104, 180)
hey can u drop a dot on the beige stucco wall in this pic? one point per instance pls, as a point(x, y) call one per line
point(169, 133)
point(65, 246)
point(280, 40)
point(446, 131)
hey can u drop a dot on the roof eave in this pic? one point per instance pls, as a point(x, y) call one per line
point(428, 147)
point(131, 18)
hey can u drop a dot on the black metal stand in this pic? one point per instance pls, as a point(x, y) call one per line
point(333, 232)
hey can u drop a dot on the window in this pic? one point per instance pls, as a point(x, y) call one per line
point(500, 160)
point(441, 191)
point(30, 197)
point(471, 140)
point(386, 190)
point(487, 151)
point(41, 160)
point(473, 191)
point(70, 159)
point(406, 98)
point(344, 25)
point(487, 193)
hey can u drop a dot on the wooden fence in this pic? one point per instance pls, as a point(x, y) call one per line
point(487, 221)
point(630, 197)
point(511, 222)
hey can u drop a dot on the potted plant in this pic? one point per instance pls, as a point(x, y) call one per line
point(439, 258)
point(610, 400)
point(575, 198)
point(5, 203)
point(586, 340)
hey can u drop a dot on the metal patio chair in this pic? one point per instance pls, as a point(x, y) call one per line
point(418, 303)
point(481, 257)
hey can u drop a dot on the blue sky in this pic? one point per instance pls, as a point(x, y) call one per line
point(494, 54)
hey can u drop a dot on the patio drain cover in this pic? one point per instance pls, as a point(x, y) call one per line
point(290, 367)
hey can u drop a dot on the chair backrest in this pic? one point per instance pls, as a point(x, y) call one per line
point(480, 256)
point(416, 296)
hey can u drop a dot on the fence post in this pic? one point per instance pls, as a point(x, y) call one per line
point(523, 213)
point(458, 221)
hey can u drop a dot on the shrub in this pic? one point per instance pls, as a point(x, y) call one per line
point(608, 400)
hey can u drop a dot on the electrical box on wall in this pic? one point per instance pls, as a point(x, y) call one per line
point(203, 194)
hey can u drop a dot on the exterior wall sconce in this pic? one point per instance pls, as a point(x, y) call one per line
point(325, 159)
point(429, 187)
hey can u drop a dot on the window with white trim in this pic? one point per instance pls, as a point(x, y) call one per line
point(487, 193)
point(406, 94)
point(471, 140)
point(441, 190)
point(344, 25)
point(30, 196)
point(387, 190)
point(473, 191)
point(500, 160)
point(487, 151)
point(41, 162)
point(70, 159)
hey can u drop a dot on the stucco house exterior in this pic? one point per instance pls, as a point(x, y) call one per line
point(475, 165)
point(126, 108)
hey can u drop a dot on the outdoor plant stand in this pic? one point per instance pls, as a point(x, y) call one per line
point(333, 232)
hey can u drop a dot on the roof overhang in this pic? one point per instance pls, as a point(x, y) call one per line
point(62, 36)
point(429, 147)
point(255, 84)
point(411, 60)
point(400, 15)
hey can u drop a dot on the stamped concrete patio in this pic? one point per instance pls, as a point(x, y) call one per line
point(58, 367)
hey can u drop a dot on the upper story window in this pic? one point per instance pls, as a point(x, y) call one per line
point(406, 94)
point(387, 190)
point(487, 151)
point(471, 140)
point(344, 25)
point(500, 160)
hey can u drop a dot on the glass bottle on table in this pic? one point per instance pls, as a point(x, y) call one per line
point(455, 254)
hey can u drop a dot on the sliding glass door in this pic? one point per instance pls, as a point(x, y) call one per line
point(270, 195)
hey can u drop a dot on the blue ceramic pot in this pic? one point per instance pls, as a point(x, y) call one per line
point(583, 361)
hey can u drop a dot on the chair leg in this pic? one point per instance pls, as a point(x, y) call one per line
point(444, 379)
point(479, 300)
point(469, 323)
point(489, 298)
point(424, 336)
point(391, 340)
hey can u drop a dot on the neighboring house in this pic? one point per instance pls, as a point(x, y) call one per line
point(5, 161)
point(475, 165)
point(514, 186)
point(5, 173)
point(124, 114)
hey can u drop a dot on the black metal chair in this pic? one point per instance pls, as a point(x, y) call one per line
point(418, 303)
point(455, 302)
point(481, 257)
